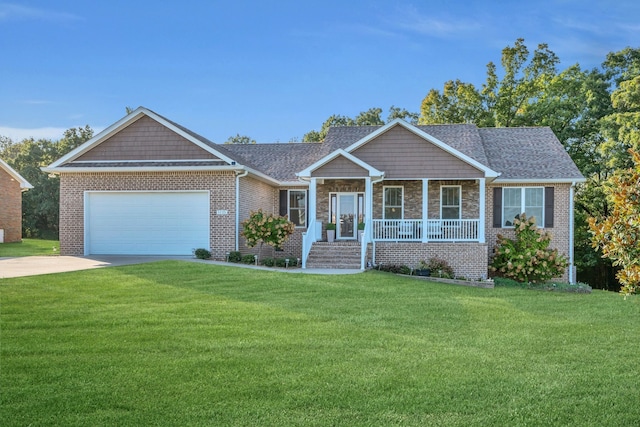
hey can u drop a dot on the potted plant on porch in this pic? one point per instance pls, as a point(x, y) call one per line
point(331, 232)
point(360, 231)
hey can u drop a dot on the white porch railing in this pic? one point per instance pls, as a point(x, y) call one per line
point(436, 230)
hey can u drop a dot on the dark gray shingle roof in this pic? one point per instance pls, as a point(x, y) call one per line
point(527, 153)
point(516, 153)
point(279, 161)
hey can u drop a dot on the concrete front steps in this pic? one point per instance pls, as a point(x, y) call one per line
point(338, 254)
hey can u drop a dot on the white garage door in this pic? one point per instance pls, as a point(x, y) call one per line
point(146, 223)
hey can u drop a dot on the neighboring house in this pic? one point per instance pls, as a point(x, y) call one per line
point(147, 185)
point(12, 185)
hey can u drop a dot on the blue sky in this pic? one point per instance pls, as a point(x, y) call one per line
point(272, 70)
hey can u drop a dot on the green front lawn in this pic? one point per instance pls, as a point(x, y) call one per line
point(29, 247)
point(180, 343)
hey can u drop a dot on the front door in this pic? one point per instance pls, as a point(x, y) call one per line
point(347, 216)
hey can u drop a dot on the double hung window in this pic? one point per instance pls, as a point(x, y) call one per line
point(393, 202)
point(527, 200)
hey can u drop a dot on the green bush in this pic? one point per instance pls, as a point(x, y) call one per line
point(282, 262)
point(440, 268)
point(580, 288)
point(249, 259)
point(268, 262)
point(528, 258)
point(202, 253)
point(235, 256)
point(395, 268)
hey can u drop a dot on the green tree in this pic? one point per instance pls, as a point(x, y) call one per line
point(333, 120)
point(402, 113)
point(501, 102)
point(370, 117)
point(618, 234)
point(458, 102)
point(240, 139)
point(41, 204)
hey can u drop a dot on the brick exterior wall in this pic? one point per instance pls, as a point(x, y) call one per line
point(10, 207)
point(254, 195)
point(220, 184)
point(559, 232)
point(468, 260)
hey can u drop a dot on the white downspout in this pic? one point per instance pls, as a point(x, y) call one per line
point(572, 269)
point(237, 233)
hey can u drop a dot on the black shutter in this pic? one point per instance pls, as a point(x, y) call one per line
point(283, 202)
point(548, 207)
point(497, 207)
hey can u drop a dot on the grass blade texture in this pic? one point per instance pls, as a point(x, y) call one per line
point(180, 343)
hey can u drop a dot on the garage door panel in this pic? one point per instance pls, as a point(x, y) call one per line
point(151, 223)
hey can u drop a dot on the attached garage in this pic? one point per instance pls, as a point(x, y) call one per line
point(146, 222)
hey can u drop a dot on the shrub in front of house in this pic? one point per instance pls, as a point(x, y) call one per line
point(527, 258)
point(249, 259)
point(268, 262)
point(235, 256)
point(202, 253)
point(579, 288)
point(439, 267)
point(395, 268)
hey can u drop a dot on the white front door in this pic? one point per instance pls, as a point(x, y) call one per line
point(347, 226)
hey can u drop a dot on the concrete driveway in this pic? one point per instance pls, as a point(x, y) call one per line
point(34, 265)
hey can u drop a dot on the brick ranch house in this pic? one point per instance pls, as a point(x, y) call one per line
point(12, 185)
point(147, 185)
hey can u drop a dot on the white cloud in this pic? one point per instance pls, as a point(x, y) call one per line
point(20, 12)
point(410, 19)
point(18, 134)
point(36, 102)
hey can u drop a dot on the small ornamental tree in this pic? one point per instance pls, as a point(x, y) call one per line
point(262, 228)
point(618, 235)
point(528, 258)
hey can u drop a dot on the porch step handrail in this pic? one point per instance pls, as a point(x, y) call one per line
point(309, 238)
point(363, 246)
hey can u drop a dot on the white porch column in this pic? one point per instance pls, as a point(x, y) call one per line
point(425, 209)
point(311, 205)
point(368, 200)
point(481, 208)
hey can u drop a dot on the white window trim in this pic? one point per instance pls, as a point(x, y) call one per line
point(384, 200)
point(306, 214)
point(459, 187)
point(539, 221)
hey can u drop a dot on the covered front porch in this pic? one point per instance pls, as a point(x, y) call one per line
point(386, 211)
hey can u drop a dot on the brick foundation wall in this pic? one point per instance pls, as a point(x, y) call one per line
point(468, 260)
point(10, 207)
point(220, 184)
